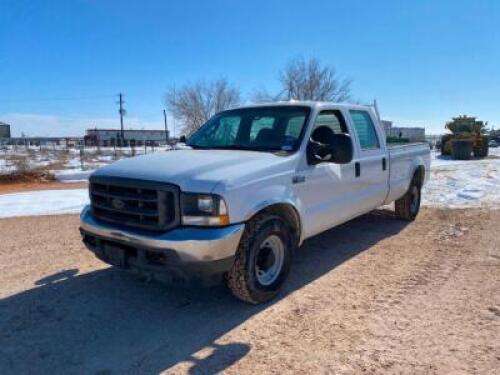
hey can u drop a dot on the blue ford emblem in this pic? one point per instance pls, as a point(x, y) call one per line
point(118, 203)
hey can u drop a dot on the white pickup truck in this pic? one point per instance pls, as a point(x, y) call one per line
point(249, 187)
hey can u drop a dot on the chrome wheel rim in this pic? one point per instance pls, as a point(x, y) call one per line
point(269, 260)
point(414, 199)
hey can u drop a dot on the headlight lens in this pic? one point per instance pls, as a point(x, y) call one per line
point(204, 209)
point(206, 204)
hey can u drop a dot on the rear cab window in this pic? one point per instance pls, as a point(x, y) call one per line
point(258, 124)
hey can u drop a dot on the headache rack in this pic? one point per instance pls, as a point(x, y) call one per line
point(133, 203)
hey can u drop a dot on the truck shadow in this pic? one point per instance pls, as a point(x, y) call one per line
point(108, 321)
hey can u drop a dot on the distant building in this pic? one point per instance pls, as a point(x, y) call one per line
point(112, 137)
point(4, 130)
point(45, 141)
point(414, 134)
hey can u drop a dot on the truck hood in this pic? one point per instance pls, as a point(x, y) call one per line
point(199, 170)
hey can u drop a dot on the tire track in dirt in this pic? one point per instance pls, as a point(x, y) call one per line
point(402, 324)
point(373, 296)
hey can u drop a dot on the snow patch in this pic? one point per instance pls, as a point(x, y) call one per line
point(44, 202)
point(463, 183)
point(72, 175)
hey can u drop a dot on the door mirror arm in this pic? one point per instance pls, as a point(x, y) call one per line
point(318, 153)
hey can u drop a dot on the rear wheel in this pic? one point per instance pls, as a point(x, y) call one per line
point(263, 259)
point(408, 206)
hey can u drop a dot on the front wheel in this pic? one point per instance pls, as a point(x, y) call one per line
point(408, 206)
point(263, 259)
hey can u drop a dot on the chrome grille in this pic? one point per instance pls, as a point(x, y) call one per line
point(135, 203)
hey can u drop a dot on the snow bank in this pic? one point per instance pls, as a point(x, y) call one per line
point(463, 183)
point(72, 175)
point(44, 202)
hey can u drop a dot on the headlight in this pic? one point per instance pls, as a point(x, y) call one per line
point(204, 209)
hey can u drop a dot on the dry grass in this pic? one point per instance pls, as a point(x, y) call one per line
point(27, 176)
point(24, 166)
point(23, 172)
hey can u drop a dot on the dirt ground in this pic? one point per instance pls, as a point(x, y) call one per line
point(17, 187)
point(372, 296)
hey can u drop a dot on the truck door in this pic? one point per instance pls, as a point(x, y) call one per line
point(371, 162)
point(328, 192)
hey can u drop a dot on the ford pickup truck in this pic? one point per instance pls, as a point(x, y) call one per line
point(244, 193)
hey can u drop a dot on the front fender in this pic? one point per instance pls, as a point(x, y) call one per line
point(243, 205)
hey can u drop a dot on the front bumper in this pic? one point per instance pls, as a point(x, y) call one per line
point(184, 254)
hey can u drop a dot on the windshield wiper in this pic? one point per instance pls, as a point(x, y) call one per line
point(231, 147)
point(196, 147)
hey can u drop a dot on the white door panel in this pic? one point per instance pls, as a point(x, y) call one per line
point(373, 175)
point(373, 180)
point(330, 192)
point(329, 195)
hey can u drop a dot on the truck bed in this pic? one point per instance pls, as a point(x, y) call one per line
point(403, 159)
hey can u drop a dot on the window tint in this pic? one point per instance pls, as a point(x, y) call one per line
point(295, 126)
point(365, 129)
point(333, 119)
point(225, 133)
point(258, 124)
point(277, 128)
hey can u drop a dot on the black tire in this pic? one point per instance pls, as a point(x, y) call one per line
point(408, 206)
point(242, 278)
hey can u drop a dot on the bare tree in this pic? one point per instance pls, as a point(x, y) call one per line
point(195, 103)
point(263, 96)
point(308, 80)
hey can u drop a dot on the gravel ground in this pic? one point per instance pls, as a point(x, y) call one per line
point(374, 296)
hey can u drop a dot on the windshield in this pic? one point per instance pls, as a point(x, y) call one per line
point(276, 128)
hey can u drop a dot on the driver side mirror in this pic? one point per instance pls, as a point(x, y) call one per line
point(182, 139)
point(325, 146)
point(342, 149)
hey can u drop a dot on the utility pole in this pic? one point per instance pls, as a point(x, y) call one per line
point(166, 126)
point(121, 111)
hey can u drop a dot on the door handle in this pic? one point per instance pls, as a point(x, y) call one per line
point(357, 167)
point(384, 164)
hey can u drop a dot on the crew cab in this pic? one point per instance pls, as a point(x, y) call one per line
point(245, 191)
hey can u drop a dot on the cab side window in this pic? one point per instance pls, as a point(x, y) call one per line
point(333, 119)
point(365, 130)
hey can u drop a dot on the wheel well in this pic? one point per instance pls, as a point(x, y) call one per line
point(289, 214)
point(419, 175)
